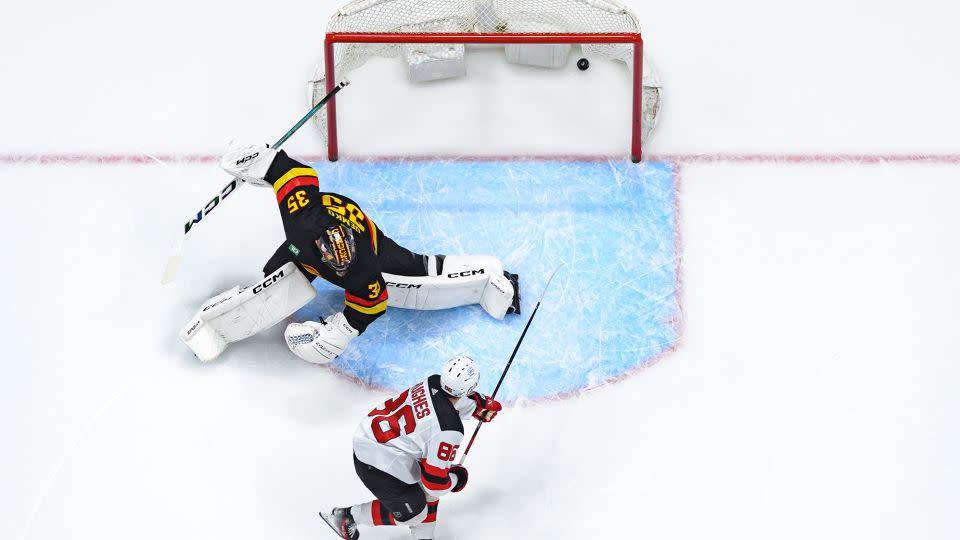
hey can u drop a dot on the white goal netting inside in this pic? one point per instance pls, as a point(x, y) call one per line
point(428, 62)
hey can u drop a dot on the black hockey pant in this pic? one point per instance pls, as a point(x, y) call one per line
point(402, 501)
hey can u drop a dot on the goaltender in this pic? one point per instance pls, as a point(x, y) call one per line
point(329, 236)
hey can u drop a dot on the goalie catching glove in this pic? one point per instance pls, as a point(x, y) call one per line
point(487, 407)
point(320, 342)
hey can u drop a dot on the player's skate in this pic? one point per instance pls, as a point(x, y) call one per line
point(342, 523)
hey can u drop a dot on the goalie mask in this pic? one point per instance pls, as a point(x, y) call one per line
point(338, 249)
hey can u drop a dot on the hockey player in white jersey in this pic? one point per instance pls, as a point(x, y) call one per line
point(404, 452)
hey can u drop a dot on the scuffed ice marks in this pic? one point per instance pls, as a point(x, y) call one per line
point(613, 308)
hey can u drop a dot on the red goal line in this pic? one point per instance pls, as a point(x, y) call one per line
point(71, 158)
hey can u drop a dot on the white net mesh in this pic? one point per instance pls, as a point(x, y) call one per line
point(481, 16)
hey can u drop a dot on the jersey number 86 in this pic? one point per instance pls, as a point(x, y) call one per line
point(386, 424)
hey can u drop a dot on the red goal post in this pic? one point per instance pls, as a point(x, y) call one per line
point(633, 39)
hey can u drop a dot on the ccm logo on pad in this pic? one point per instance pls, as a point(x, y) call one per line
point(268, 282)
point(403, 285)
point(466, 273)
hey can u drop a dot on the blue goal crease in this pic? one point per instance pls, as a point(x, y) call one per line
point(613, 308)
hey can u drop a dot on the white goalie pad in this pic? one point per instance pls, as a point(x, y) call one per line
point(463, 280)
point(242, 312)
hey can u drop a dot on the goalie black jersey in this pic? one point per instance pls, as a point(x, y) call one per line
point(308, 212)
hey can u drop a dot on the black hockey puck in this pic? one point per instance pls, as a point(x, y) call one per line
point(583, 64)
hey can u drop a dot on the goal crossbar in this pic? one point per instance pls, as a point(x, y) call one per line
point(473, 38)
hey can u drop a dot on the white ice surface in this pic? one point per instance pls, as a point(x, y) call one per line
point(740, 75)
point(813, 395)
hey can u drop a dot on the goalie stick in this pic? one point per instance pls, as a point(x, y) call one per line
point(173, 262)
point(510, 362)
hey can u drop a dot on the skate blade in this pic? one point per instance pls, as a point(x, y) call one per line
point(326, 519)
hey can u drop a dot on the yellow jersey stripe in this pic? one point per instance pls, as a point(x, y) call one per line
point(379, 308)
point(291, 174)
point(373, 234)
point(310, 269)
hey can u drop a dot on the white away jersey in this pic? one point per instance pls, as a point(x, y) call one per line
point(415, 436)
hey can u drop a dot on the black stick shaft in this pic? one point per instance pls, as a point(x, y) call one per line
point(515, 349)
point(298, 125)
point(510, 362)
point(310, 113)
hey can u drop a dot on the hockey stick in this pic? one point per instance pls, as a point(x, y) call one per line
point(173, 261)
point(510, 362)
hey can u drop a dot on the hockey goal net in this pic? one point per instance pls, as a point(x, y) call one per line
point(432, 35)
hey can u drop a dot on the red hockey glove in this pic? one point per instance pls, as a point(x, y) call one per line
point(487, 407)
point(460, 473)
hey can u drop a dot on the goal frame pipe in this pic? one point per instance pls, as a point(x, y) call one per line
point(636, 40)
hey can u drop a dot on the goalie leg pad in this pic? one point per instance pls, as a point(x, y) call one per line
point(460, 280)
point(242, 312)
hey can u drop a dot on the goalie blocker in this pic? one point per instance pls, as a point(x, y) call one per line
point(452, 281)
